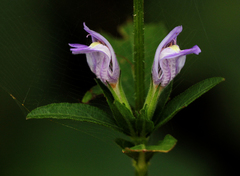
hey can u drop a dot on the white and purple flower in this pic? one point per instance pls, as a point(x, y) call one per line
point(100, 57)
point(169, 59)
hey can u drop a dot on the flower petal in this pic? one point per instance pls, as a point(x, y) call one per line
point(100, 57)
point(194, 50)
point(171, 36)
point(79, 49)
point(96, 37)
point(169, 59)
point(172, 61)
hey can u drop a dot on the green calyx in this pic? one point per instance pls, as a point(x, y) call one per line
point(152, 99)
point(118, 94)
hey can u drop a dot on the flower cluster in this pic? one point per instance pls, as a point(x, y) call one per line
point(168, 60)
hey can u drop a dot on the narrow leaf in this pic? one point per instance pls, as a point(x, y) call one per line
point(106, 92)
point(122, 115)
point(124, 118)
point(143, 125)
point(74, 111)
point(164, 96)
point(124, 143)
point(188, 96)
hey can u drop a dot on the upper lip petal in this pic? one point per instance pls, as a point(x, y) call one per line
point(168, 62)
point(100, 57)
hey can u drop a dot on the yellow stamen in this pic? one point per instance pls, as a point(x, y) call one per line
point(175, 47)
point(94, 44)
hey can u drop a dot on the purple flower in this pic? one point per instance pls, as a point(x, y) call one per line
point(100, 57)
point(169, 59)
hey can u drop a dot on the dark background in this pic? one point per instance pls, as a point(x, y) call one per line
point(37, 68)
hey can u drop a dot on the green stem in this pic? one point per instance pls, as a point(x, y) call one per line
point(138, 52)
point(141, 166)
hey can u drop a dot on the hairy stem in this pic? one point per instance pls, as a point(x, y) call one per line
point(138, 52)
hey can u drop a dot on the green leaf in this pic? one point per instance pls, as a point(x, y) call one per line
point(124, 110)
point(124, 143)
point(74, 111)
point(106, 92)
point(164, 96)
point(143, 125)
point(188, 96)
point(91, 94)
point(124, 118)
point(122, 115)
point(163, 146)
point(101, 103)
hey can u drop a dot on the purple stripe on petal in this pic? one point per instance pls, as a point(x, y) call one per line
point(169, 59)
point(171, 36)
point(97, 37)
point(100, 57)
